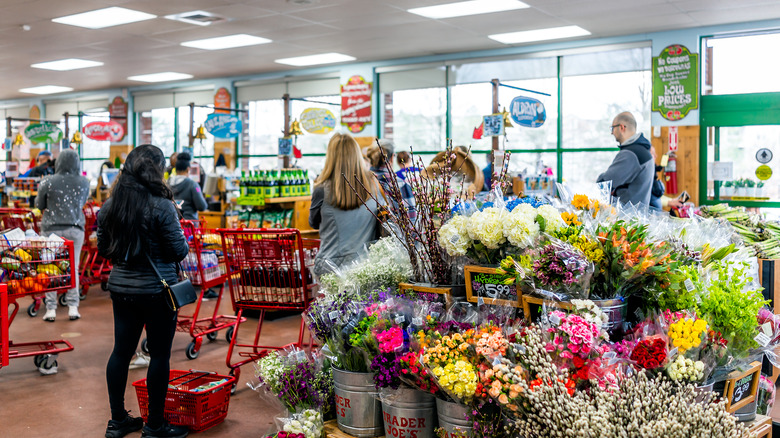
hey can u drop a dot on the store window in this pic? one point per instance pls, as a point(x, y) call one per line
point(202, 150)
point(266, 123)
point(741, 64)
point(472, 98)
point(158, 127)
point(598, 86)
point(413, 108)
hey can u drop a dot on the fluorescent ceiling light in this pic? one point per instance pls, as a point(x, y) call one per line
point(322, 58)
point(528, 36)
point(46, 89)
point(226, 42)
point(67, 64)
point(107, 17)
point(473, 7)
point(160, 77)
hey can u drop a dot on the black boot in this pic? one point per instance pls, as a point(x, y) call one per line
point(118, 429)
point(165, 431)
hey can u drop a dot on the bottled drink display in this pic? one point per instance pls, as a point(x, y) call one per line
point(274, 184)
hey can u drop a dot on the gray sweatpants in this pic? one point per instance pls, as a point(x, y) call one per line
point(72, 296)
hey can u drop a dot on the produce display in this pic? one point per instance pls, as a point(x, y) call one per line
point(641, 316)
point(761, 236)
point(33, 264)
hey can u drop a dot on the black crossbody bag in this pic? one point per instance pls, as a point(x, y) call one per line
point(179, 294)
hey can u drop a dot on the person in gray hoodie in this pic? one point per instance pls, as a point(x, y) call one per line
point(61, 198)
point(186, 191)
point(631, 172)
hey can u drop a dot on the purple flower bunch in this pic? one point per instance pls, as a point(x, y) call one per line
point(559, 266)
point(623, 348)
point(447, 327)
point(319, 317)
point(386, 370)
point(303, 386)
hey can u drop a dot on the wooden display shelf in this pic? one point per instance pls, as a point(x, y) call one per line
point(283, 200)
point(761, 427)
point(331, 430)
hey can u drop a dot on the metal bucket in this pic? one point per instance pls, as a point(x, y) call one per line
point(453, 418)
point(703, 391)
point(358, 409)
point(615, 310)
point(409, 413)
point(747, 412)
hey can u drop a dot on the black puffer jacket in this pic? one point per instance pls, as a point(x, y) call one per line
point(165, 243)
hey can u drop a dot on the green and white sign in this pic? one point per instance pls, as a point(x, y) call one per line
point(675, 82)
point(43, 133)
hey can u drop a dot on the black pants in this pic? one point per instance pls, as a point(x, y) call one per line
point(131, 314)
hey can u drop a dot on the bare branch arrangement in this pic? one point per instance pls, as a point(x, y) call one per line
point(433, 197)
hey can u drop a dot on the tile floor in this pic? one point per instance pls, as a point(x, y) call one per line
point(74, 402)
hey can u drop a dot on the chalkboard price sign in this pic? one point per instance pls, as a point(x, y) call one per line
point(483, 282)
point(741, 387)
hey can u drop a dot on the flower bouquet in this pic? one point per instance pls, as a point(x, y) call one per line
point(561, 271)
point(305, 424)
point(448, 360)
point(650, 353)
point(573, 342)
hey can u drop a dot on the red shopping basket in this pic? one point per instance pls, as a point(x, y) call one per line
point(196, 399)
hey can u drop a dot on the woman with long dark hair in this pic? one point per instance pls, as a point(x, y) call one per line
point(137, 226)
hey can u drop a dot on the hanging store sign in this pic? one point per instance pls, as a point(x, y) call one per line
point(104, 131)
point(118, 111)
point(356, 103)
point(493, 125)
point(675, 82)
point(43, 133)
point(285, 146)
point(528, 112)
point(223, 125)
point(764, 172)
point(764, 155)
point(317, 120)
point(222, 100)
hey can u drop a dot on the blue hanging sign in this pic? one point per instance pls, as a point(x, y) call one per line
point(528, 112)
point(223, 125)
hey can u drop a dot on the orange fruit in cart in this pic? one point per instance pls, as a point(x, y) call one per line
point(42, 279)
point(28, 283)
point(37, 287)
point(14, 287)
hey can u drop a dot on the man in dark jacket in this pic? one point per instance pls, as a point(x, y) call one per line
point(631, 172)
point(186, 191)
point(61, 197)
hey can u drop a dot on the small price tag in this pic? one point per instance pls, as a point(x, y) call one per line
point(434, 315)
point(689, 285)
point(672, 354)
point(417, 321)
point(555, 320)
point(400, 319)
point(766, 328)
point(333, 315)
point(454, 239)
point(762, 339)
point(300, 356)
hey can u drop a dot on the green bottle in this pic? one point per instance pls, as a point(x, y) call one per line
point(275, 184)
point(285, 184)
point(306, 183)
point(242, 183)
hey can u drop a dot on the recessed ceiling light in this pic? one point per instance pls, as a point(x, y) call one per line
point(201, 18)
point(107, 17)
point(226, 42)
point(46, 89)
point(67, 64)
point(322, 58)
point(160, 77)
point(528, 36)
point(473, 7)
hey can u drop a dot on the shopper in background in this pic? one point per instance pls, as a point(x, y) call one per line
point(631, 172)
point(169, 170)
point(186, 191)
point(139, 225)
point(44, 165)
point(61, 198)
point(336, 209)
point(404, 160)
point(381, 158)
point(487, 173)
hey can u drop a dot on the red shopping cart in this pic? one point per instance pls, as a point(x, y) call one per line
point(22, 218)
point(268, 269)
point(32, 267)
point(205, 267)
point(94, 268)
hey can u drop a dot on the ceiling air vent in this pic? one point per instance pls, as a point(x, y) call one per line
point(201, 18)
point(303, 2)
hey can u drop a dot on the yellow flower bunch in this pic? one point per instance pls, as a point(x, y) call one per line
point(686, 333)
point(448, 349)
point(570, 218)
point(458, 378)
point(582, 202)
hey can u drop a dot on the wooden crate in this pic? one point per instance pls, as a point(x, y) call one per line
point(761, 427)
point(331, 430)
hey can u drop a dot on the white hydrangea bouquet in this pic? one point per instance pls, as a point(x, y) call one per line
point(487, 235)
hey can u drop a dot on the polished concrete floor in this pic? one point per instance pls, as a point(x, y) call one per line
point(74, 402)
